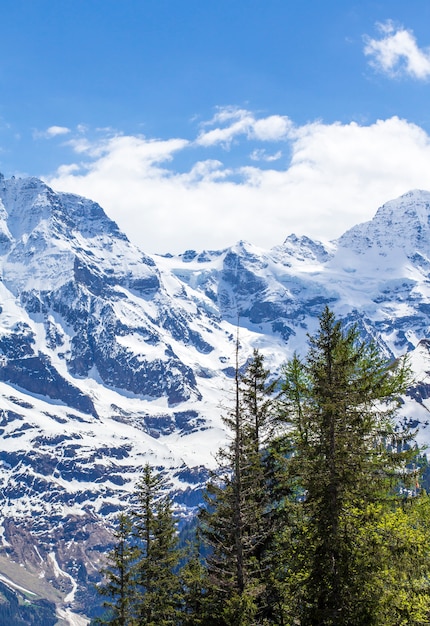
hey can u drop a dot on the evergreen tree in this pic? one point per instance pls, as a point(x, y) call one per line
point(233, 522)
point(119, 575)
point(257, 394)
point(195, 611)
point(348, 456)
point(258, 399)
point(399, 539)
point(282, 521)
point(158, 586)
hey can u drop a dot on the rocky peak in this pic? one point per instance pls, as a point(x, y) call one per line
point(303, 249)
point(400, 224)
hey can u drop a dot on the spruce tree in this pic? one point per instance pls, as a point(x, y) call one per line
point(193, 577)
point(119, 576)
point(233, 522)
point(258, 393)
point(158, 586)
point(348, 456)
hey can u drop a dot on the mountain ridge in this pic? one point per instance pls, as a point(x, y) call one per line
point(111, 358)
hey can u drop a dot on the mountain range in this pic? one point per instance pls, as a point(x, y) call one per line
point(111, 358)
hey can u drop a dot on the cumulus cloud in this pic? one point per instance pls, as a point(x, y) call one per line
point(273, 128)
point(337, 175)
point(397, 52)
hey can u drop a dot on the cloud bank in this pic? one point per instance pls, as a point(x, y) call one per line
point(316, 179)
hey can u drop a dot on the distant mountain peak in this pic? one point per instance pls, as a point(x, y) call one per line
point(400, 224)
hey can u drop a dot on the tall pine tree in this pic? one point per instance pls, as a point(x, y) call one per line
point(348, 457)
point(158, 597)
point(233, 523)
point(119, 577)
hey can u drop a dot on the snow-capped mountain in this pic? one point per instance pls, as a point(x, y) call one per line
point(110, 358)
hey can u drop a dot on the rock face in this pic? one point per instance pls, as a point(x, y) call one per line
point(110, 358)
point(66, 261)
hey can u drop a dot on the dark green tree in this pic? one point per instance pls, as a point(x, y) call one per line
point(257, 392)
point(233, 522)
point(119, 584)
point(193, 577)
point(258, 396)
point(348, 458)
point(159, 598)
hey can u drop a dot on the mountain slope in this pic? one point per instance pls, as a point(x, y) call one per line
point(110, 358)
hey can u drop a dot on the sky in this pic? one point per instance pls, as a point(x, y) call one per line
point(199, 123)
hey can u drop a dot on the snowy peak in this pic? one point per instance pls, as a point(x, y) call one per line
point(91, 301)
point(303, 250)
point(401, 224)
point(50, 239)
point(87, 217)
point(28, 203)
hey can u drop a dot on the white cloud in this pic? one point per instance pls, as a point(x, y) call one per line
point(208, 170)
point(260, 154)
point(225, 135)
point(273, 128)
point(397, 53)
point(116, 150)
point(226, 114)
point(243, 122)
point(338, 175)
point(52, 131)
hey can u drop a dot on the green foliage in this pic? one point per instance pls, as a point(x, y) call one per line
point(348, 459)
point(236, 522)
point(193, 576)
point(158, 588)
point(404, 536)
point(119, 576)
point(17, 610)
point(141, 577)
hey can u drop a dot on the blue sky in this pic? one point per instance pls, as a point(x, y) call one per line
point(197, 123)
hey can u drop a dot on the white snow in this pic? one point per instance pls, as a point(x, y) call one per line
point(72, 619)
point(13, 585)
